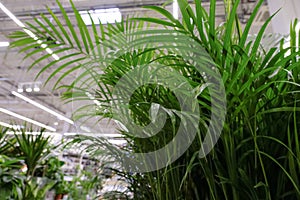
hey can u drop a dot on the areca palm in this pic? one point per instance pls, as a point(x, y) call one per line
point(260, 133)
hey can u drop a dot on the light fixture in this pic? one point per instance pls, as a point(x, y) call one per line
point(28, 89)
point(5, 125)
point(30, 33)
point(175, 9)
point(10, 15)
point(104, 16)
point(26, 119)
point(4, 44)
point(117, 142)
point(61, 117)
point(14, 127)
point(104, 135)
point(33, 133)
point(36, 87)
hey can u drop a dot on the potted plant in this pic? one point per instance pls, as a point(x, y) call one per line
point(62, 188)
point(12, 179)
point(259, 133)
point(22, 166)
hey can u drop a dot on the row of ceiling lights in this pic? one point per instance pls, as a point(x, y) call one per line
point(106, 15)
point(29, 87)
point(36, 104)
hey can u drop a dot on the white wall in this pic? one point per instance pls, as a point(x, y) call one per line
point(290, 9)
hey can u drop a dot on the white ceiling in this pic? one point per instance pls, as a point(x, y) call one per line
point(14, 68)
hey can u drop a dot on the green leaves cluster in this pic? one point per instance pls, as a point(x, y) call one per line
point(257, 156)
point(19, 152)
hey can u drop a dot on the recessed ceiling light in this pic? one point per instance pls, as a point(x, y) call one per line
point(36, 89)
point(28, 89)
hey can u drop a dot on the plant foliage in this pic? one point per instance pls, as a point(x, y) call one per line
point(257, 155)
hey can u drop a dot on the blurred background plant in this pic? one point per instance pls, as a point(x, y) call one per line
point(30, 168)
point(21, 155)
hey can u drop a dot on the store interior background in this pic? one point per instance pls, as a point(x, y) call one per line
point(14, 74)
point(16, 79)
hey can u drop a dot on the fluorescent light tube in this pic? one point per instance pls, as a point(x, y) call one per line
point(33, 133)
point(30, 33)
point(15, 127)
point(104, 135)
point(61, 117)
point(6, 125)
point(26, 119)
point(14, 18)
point(4, 44)
point(117, 142)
